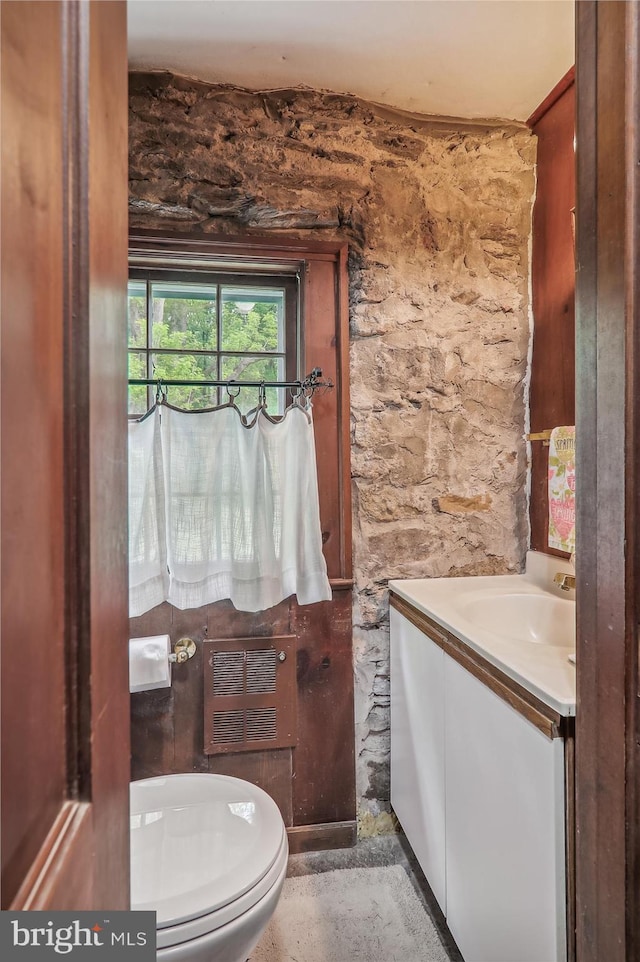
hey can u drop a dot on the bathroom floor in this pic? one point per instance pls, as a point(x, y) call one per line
point(372, 853)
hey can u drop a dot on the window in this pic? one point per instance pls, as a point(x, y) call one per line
point(199, 326)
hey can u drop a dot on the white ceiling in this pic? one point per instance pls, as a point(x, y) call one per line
point(461, 58)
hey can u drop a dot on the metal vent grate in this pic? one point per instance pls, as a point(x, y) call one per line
point(261, 724)
point(244, 672)
point(228, 672)
point(250, 694)
point(254, 725)
point(261, 670)
point(228, 726)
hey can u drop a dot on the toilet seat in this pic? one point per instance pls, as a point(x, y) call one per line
point(177, 934)
point(204, 850)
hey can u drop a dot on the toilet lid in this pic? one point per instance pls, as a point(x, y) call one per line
point(198, 842)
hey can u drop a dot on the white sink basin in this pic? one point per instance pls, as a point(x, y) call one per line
point(520, 623)
point(538, 618)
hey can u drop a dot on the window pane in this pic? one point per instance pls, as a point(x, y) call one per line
point(137, 393)
point(184, 316)
point(256, 369)
point(137, 314)
point(187, 367)
point(184, 367)
point(192, 398)
point(252, 319)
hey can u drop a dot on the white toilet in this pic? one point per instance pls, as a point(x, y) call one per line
point(209, 855)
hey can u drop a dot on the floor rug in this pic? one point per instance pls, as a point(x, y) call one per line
point(350, 915)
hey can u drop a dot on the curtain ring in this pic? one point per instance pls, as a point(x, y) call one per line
point(229, 392)
point(262, 396)
point(161, 396)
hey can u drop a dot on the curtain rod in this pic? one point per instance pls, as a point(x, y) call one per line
point(310, 382)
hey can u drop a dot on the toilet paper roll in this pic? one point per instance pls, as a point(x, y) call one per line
point(149, 666)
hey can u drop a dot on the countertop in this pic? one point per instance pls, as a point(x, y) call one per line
point(544, 670)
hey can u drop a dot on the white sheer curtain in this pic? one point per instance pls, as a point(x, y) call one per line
point(148, 575)
point(291, 483)
point(242, 516)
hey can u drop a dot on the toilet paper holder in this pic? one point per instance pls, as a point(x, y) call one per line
point(183, 650)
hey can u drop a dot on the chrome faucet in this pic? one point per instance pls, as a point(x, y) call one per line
point(564, 581)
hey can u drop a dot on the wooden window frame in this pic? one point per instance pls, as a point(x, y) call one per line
point(323, 311)
point(286, 280)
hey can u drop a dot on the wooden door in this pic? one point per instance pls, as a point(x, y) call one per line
point(608, 469)
point(65, 702)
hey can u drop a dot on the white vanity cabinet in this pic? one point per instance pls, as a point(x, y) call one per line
point(504, 790)
point(478, 784)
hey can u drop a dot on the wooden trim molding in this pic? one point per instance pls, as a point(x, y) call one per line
point(318, 838)
point(147, 242)
point(608, 465)
point(549, 722)
point(344, 408)
point(341, 584)
point(552, 97)
point(69, 836)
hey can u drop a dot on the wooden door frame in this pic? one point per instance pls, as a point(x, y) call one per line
point(65, 704)
point(608, 456)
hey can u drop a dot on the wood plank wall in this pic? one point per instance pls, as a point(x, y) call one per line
point(313, 783)
point(553, 281)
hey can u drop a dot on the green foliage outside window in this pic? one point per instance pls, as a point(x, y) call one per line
point(251, 322)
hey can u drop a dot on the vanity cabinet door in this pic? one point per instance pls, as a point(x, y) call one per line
point(505, 828)
point(417, 747)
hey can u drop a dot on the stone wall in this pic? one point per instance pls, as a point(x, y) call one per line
point(437, 216)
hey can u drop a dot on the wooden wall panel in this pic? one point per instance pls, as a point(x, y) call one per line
point(312, 783)
point(187, 687)
point(320, 351)
point(152, 734)
point(552, 398)
point(166, 725)
point(323, 785)
point(270, 770)
point(152, 712)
